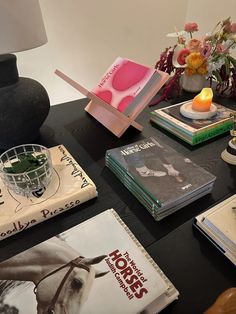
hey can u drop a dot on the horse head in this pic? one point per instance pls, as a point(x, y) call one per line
point(66, 288)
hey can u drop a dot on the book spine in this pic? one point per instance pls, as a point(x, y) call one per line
point(172, 128)
point(210, 133)
point(163, 115)
point(196, 138)
point(31, 218)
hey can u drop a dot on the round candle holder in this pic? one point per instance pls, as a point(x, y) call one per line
point(26, 169)
point(187, 111)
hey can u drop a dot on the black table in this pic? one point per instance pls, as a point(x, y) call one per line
point(196, 268)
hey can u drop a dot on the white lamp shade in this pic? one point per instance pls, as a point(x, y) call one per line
point(21, 25)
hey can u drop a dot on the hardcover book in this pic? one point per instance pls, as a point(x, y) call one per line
point(97, 266)
point(218, 224)
point(162, 179)
point(190, 130)
point(126, 83)
point(122, 93)
point(70, 186)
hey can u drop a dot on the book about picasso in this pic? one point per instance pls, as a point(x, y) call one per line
point(70, 187)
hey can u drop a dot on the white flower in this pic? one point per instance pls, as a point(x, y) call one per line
point(176, 34)
point(214, 65)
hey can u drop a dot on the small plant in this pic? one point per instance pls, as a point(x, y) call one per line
point(26, 163)
point(26, 168)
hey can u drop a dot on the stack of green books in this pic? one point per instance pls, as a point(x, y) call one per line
point(193, 131)
point(158, 176)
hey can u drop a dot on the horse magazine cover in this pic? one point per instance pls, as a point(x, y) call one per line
point(162, 175)
point(69, 187)
point(97, 266)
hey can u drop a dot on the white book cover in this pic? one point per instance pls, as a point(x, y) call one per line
point(69, 187)
point(219, 223)
point(97, 267)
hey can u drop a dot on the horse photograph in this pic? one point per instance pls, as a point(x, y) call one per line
point(50, 278)
point(98, 266)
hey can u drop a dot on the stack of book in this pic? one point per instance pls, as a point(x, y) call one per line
point(158, 176)
point(193, 131)
point(218, 224)
point(70, 187)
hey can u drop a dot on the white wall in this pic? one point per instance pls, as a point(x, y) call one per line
point(84, 37)
point(206, 13)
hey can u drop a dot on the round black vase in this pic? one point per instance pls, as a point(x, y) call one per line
point(24, 105)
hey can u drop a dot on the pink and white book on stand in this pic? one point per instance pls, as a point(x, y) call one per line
point(123, 92)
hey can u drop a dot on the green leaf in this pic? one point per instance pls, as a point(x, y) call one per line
point(227, 66)
point(232, 60)
point(217, 75)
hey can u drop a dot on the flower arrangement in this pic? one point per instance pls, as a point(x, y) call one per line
point(209, 56)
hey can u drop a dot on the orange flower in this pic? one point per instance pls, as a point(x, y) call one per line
point(194, 45)
point(190, 71)
point(202, 69)
point(194, 60)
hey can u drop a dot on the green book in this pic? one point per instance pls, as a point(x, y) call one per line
point(162, 179)
point(193, 131)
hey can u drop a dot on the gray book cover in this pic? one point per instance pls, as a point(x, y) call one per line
point(165, 175)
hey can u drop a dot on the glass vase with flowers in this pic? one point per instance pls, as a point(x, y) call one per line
point(192, 62)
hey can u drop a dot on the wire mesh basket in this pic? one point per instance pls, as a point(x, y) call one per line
point(26, 168)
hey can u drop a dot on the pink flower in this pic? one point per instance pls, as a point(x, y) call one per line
point(191, 27)
point(233, 28)
point(194, 45)
point(182, 56)
point(219, 48)
point(206, 50)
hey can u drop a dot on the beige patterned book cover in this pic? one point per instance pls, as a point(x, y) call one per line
point(70, 186)
point(222, 221)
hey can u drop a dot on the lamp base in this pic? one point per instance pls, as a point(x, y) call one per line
point(24, 105)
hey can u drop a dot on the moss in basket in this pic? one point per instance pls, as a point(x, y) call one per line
point(27, 164)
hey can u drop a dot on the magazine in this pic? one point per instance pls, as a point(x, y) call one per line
point(70, 187)
point(155, 208)
point(126, 83)
point(97, 266)
point(219, 225)
point(159, 174)
point(193, 131)
point(122, 93)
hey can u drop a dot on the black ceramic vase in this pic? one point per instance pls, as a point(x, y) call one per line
point(24, 105)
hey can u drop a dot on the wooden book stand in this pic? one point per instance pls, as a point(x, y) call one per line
point(114, 120)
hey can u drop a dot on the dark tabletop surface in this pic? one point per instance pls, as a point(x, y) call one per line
point(197, 269)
